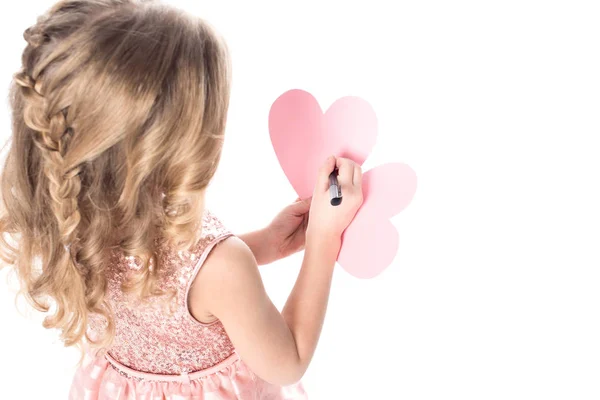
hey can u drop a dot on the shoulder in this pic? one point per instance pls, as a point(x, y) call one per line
point(223, 251)
point(230, 255)
point(230, 268)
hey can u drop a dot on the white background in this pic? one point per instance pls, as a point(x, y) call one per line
point(495, 292)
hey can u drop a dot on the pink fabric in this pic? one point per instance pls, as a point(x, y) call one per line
point(103, 378)
point(159, 353)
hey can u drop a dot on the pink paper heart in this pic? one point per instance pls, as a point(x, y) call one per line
point(303, 137)
point(370, 242)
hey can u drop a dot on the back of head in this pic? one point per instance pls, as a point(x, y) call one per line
point(118, 119)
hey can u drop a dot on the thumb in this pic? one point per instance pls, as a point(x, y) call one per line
point(323, 177)
point(301, 206)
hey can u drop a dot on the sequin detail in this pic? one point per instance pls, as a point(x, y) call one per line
point(150, 339)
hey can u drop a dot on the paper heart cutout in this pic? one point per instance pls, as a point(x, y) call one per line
point(303, 137)
point(370, 242)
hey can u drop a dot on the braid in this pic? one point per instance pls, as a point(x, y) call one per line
point(51, 135)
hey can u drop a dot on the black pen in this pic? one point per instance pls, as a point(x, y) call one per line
point(335, 191)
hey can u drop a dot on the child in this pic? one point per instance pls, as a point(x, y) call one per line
point(118, 120)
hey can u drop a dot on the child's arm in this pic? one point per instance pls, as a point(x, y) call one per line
point(277, 346)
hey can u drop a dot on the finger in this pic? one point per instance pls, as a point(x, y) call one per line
point(345, 172)
point(324, 172)
point(300, 207)
point(357, 177)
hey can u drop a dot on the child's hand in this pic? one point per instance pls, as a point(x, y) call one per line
point(328, 222)
point(286, 234)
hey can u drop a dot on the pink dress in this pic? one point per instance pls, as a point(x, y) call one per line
point(157, 354)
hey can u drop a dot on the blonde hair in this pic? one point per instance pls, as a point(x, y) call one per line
point(118, 116)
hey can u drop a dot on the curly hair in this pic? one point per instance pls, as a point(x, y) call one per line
point(118, 117)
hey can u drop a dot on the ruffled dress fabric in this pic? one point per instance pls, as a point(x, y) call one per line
point(103, 378)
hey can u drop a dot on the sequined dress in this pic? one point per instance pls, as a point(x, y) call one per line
point(159, 353)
